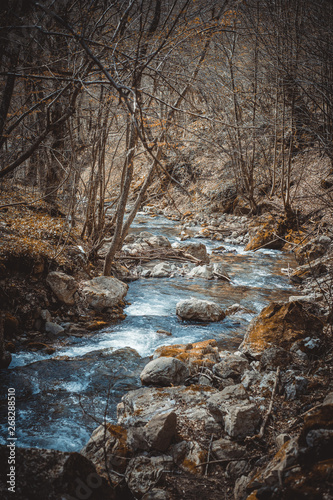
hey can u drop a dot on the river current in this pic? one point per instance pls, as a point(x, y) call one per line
point(62, 397)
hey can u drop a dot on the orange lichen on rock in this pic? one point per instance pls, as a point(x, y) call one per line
point(265, 236)
point(271, 232)
point(253, 495)
point(96, 325)
point(120, 449)
point(193, 466)
point(280, 324)
point(195, 355)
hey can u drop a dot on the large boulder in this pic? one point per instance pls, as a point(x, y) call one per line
point(161, 270)
point(104, 292)
point(218, 402)
point(201, 272)
point(138, 407)
point(63, 286)
point(199, 310)
point(189, 456)
point(197, 250)
point(164, 371)
point(279, 324)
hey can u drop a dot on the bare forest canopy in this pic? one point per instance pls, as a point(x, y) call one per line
point(99, 99)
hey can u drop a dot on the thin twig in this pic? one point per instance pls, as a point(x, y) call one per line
point(208, 456)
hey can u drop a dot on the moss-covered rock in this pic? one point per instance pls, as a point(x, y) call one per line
point(280, 324)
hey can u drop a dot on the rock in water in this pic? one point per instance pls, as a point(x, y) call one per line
point(103, 292)
point(162, 270)
point(201, 272)
point(197, 250)
point(200, 310)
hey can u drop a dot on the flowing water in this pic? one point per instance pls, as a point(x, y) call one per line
point(61, 398)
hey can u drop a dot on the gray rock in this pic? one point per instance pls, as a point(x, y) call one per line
point(136, 438)
point(103, 292)
point(201, 272)
point(240, 488)
point(236, 469)
point(225, 449)
point(53, 328)
point(159, 241)
point(274, 357)
point(236, 391)
point(220, 401)
point(164, 371)
point(281, 439)
point(138, 407)
point(162, 270)
point(130, 238)
point(46, 315)
point(320, 438)
point(294, 385)
point(156, 494)
point(201, 414)
point(324, 240)
point(160, 430)
point(267, 382)
point(200, 310)
point(220, 272)
point(145, 235)
point(144, 472)
point(113, 440)
point(63, 286)
point(242, 420)
point(197, 250)
point(231, 366)
point(329, 399)
point(237, 309)
point(249, 378)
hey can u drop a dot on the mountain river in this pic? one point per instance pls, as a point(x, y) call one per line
point(61, 398)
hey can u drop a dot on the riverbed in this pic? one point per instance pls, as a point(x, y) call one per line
point(62, 397)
